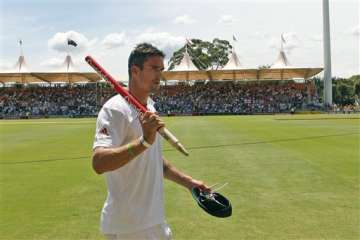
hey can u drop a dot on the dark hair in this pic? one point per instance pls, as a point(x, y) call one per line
point(141, 53)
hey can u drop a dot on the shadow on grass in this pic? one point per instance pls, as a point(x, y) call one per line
point(323, 118)
point(44, 160)
point(190, 148)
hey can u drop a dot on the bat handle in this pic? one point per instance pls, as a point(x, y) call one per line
point(168, 136)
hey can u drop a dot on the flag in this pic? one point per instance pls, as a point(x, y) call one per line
point(72, 42)
point(20, 42)
point(282, 38)
point(234, 38)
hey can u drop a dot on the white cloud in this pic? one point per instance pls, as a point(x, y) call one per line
point(59, 42)
point(6, 65)
point(184, 19)
point(355, 31)
point(227, 19)
point(58, 63)
point(162, 40)
point(316, 38)
point(53, 62)
point(114, 40)
point(92, 42)
point(260, 35)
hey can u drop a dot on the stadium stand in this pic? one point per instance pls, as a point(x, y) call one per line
point(228, 97)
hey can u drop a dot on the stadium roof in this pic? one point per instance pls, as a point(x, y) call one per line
point(186, 64)
point(233, 62)
point(21, 65)
point(279, 70)
point(66, 73)
point(48, 77)
point(68, 65)
point(243, 74)
point(281, 61)
point(185, 70)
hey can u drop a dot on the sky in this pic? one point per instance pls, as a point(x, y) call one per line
point(109, 29)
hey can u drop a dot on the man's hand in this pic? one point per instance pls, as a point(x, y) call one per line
point(150, 123)
point(201, 185)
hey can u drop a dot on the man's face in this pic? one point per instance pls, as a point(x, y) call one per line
point(148, 78)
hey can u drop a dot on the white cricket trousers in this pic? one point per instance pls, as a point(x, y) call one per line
point(158, 232)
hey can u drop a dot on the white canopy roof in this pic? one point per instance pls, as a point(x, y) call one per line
point(20, 65)
point(68, 65)
point(186, 64)
point(243, 74)
point(186, 70)
point(281, 61)
point(233, 62)
point(49, 77)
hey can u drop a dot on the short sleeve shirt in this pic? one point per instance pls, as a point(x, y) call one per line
point(135, 191)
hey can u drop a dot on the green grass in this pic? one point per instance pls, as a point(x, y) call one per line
point(290, 177)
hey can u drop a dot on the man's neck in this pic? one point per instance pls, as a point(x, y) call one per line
point(139, 95)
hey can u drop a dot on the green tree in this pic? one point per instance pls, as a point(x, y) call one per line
point(357, 88)
point(356, 80)
point(319, 84)
point(344, 90)
point(204, 54)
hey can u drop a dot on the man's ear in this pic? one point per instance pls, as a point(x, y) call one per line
point(135, 70)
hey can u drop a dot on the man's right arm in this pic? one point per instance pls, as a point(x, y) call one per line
point(108, 159)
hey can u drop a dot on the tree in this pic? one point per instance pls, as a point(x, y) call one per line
point(343, 93)
point(319, 84)
point(204, 54)
point(344, 90)
point(357, 88)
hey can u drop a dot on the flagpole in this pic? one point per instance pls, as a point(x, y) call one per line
point(234, 40)
point(21, 49)
point(21, 55)
point(67, 55)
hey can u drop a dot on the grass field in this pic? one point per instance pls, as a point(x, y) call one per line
point(290, 177)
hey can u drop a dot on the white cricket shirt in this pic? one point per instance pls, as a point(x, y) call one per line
point(135, 191)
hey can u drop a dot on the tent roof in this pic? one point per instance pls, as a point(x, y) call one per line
point(279, 70)
point(68, 65)
point(281, 61)
point(185, 75)
point(233, 62)
point(67, 74)
point(186, 64)
point(21, 65)
point(243, 74)
point(49, 77)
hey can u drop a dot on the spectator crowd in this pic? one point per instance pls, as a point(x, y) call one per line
point(234, 98)
point(181, 99)
point(38, 101)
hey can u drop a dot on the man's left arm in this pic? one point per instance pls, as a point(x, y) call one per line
point(173, 174)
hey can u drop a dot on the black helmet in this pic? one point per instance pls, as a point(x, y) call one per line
point(213, 203)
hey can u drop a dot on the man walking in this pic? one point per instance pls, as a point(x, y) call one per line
point(127, 149)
